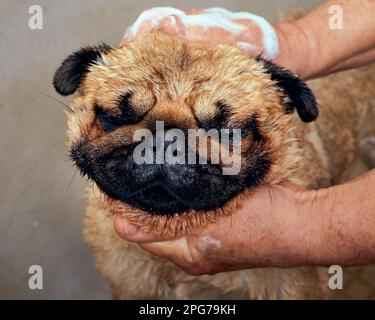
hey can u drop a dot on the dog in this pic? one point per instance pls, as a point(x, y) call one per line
point(157, 77)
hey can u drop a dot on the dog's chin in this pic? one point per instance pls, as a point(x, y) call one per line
point(158, 199)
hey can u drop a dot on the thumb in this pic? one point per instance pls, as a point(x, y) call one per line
point(133, 233)
point(168, 249)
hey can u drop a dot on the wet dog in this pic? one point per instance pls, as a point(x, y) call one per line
point(157, 77)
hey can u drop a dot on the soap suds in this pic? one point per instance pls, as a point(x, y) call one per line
point(245, 46)
point(210, 241)
point(212, 18)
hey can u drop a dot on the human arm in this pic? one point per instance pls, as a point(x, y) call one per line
point(280, 226)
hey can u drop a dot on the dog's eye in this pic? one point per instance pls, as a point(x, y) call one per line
point(123, 115)
point(109, 121)
point(220, 119)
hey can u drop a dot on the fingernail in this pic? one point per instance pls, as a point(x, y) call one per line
point(173, 24)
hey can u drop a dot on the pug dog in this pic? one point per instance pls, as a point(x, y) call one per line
point(160, 78)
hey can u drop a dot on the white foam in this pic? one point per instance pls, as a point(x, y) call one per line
point(245, 46)
point(213, 18)
point(270, 41)
point(210, 241)
point(204, 20)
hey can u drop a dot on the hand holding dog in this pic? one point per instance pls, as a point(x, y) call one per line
point(279, 226)
point(260, 234)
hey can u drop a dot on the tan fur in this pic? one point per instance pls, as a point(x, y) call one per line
point(179, 79)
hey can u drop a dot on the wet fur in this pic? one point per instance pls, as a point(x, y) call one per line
point(312, 155)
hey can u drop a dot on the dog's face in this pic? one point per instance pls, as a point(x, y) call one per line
point(187, 86)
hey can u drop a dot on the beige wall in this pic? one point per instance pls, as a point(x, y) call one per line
point(40, 216)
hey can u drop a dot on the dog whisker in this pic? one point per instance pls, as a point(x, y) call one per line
point(94, 193)
point(55, 99)
point(270, 193)
point(71, 180)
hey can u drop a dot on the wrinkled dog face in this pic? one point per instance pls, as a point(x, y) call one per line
point(187, 86)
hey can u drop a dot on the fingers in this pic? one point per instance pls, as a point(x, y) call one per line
point(172, 249)
point(132, 233)
point(194, 11)
point(186, 253)
point(182, 253)
point(172, 25)
point(203, 26)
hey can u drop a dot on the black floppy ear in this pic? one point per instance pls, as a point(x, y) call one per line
point(69, 75)
point(298, 94)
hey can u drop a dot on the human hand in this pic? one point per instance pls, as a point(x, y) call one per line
point(274, 228)
point(252, 34)
point(286, 44)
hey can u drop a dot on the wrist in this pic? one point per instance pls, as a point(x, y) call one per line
point(314, 217)
point(296, 49)
point(300, 227)
point(337, 224)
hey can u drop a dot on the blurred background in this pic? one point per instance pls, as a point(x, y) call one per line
point(41, 205)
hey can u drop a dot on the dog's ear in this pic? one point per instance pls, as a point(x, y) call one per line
point(298, 94)
point(69, 75)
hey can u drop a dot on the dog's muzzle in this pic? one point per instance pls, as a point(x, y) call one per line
point(156, 188)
